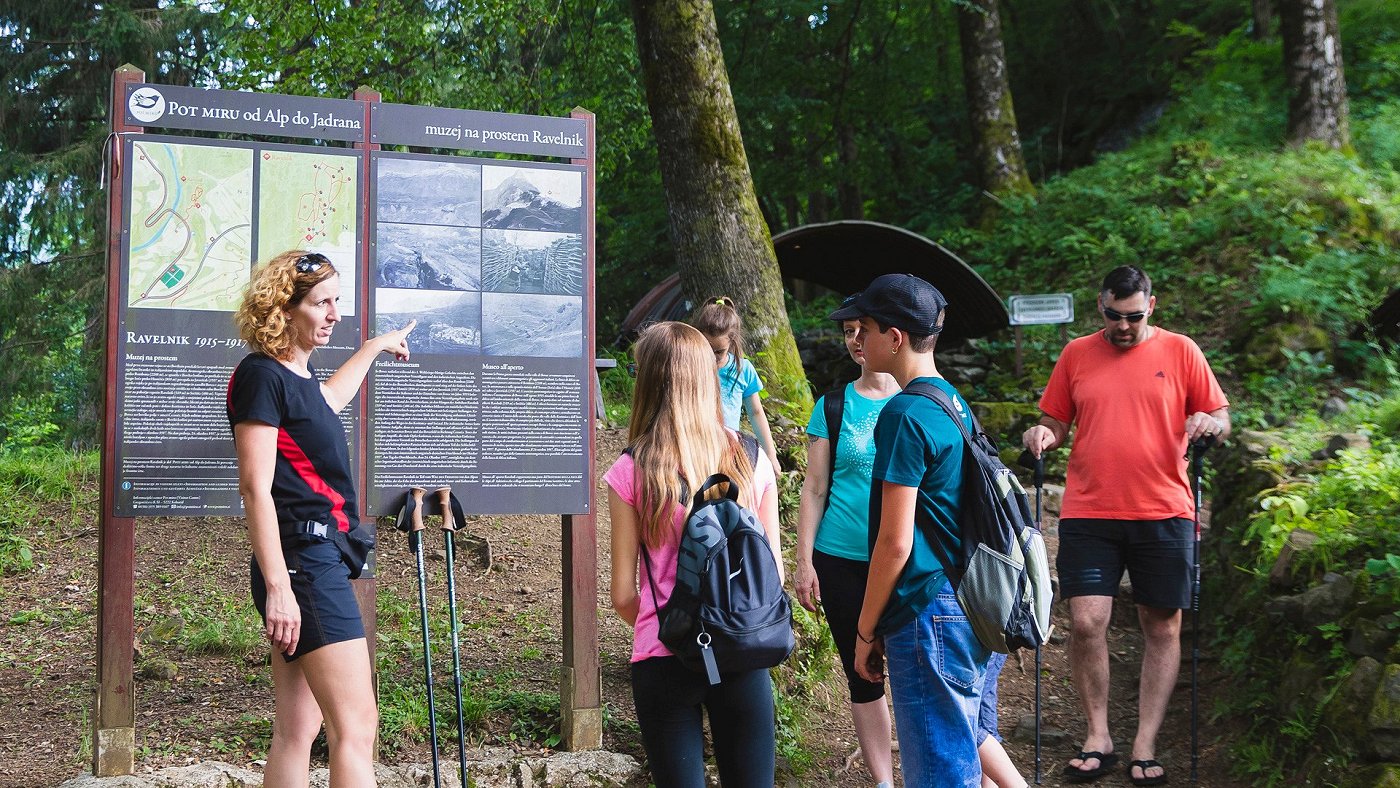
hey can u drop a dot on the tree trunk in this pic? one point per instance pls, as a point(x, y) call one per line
point(995, 138)
point(1263, 15)
point(1312, 61)
point(848, 196)
point(722, 245)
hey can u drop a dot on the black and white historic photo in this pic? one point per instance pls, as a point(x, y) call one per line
point(428, 191)
point(532, 325)
point(519, 198)
point(449, 321)
point(424, 256)
point(519, 261)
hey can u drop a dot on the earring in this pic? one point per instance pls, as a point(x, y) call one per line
point(894, 350)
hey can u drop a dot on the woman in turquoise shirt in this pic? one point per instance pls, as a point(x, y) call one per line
point(833, 552)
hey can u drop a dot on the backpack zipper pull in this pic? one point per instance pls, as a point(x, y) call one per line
point(707, 655)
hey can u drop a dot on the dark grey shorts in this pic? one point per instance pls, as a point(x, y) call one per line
point(1156, 553)
point(321, 583)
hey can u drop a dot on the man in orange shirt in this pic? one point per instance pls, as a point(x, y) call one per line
point(1138, 395)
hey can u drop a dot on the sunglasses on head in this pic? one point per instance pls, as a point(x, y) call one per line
point(310, 263)
point(1114, 315)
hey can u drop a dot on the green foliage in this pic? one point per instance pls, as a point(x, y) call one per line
point(39, 489)
point(618, 384)
point(1385, 577)
point(794, 685)
point(1353, 506)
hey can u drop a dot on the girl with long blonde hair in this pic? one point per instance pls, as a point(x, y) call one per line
point(675, 441)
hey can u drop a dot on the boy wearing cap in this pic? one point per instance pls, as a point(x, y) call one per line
point(910, 615)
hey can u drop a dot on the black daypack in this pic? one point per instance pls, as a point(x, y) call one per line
point(728, 611)
point(1001, 574)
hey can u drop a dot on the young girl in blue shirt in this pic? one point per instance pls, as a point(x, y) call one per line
point(739, 384)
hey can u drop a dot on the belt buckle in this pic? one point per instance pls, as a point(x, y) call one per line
point(317, 529)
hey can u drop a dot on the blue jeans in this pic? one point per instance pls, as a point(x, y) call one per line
point(935, 668)
point(987, 707)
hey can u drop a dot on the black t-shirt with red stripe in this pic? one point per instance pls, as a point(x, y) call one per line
point(312, 479)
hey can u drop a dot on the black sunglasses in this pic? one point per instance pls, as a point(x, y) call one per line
point(310, 263)
point(1114, 315)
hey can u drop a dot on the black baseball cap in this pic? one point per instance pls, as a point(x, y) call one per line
point(901, 300)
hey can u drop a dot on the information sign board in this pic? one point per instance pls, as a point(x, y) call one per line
point(1045, 309)
point(488, 256)
point(199, 215)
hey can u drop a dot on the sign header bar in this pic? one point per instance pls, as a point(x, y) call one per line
point(443, 127)
point(236, 111)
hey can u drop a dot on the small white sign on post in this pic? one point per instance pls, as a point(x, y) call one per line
point(1039, 310)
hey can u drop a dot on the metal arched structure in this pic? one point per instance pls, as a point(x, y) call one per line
point(844, 256)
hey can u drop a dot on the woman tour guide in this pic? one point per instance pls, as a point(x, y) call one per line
point(294, 476)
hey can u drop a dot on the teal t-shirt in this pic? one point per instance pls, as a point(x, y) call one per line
point(736, 384)
point(917, 445)
point(844, 530)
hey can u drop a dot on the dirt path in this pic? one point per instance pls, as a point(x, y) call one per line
point(215, 707)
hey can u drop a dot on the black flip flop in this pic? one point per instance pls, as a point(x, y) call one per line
point(1074, 774)
point(1144, 779)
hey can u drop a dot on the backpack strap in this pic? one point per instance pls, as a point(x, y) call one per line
point(930, 391)
point(941, 398)
point(833, 402)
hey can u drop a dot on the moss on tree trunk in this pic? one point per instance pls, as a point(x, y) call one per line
point(722, 244)
point(995, 137)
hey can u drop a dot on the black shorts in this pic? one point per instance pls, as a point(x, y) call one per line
point(842, 583)
point(1156, 553)
point(321, 583)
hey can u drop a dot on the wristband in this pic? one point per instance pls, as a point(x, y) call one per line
point(865, 639)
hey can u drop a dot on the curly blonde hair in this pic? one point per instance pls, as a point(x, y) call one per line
point(276, 287)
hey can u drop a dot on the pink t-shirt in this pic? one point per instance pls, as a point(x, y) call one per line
point(622, 478)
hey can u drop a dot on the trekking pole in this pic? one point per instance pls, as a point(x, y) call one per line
point(1039, 485)
point(1037, 466)
point(415, 544)
point(1198, 454)
point(449, 527)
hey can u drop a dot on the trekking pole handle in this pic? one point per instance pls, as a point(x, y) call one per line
point(444, 496)
point(1199, 447)
point(1035, 464)
point(417, 516)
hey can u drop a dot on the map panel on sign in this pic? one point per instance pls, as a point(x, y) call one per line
point(191, 226)
point(308, 201)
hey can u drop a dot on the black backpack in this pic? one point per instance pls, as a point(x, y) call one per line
point(728, 611)
point(1001, 574)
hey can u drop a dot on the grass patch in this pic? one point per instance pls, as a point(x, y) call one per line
point(40, 489)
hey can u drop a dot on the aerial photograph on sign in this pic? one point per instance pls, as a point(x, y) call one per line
point(448, 321)
point(428, 191)
point(427, 256)
point(532, 325)
point(191, 226)
point(310, 201)
point(520, 261)
point(520, 198)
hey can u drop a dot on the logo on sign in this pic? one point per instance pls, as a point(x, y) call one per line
point(146, 104)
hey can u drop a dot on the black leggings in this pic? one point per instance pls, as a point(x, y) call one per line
point(669, 697)
point(842, 582)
